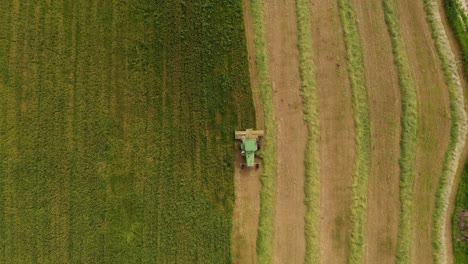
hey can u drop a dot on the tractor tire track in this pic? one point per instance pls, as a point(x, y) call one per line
point(247, 184)
point(283, 59)
point(337, 140)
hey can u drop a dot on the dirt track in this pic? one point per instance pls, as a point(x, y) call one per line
point(385, 111)
point(247, 183)
point(283, 56)
point(337, 145)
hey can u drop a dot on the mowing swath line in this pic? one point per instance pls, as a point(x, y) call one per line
point(268, 179)
point(361, 119)
point(310, 99)
point(457, 133)
point(5, 23)
point(409, 121)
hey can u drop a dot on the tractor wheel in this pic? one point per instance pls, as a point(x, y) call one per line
point(258, 145)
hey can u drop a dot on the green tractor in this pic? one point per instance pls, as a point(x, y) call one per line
point(250, 144)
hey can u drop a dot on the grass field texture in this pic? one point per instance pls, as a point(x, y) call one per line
point(116, 130)
point(458, 20)
point(355, 62)
point(409, 123)
point(311, 102)
point(457, 133)
point(268, 179)
point(460, 247)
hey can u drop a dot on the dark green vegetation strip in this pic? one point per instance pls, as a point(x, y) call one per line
point(311, 112)
point(116, 130)
point(268, 179)
point(355, 61)
point(457, 133)
point(409, 124)
point(460, 236)
point(458, 20)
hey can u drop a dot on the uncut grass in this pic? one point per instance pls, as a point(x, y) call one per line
point(312, 162)
point(268, 178)
point(111, 149)
point(355, 61)
point(409, 125)
point(460, 247)
point(457, 133)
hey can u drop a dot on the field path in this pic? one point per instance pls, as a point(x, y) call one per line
point(385, 110)
point(434, 123)
point(247, 183)
point(283, 55)
point(337, 145)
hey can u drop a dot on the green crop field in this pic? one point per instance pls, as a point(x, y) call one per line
point(116, 129)
point(460, 244)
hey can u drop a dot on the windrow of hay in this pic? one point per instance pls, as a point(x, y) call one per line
point(355, 61)
point(457, 133)
point(311, 112)
point(409, 124)
point(268, 178)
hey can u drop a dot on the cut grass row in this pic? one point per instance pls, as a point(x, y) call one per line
point(268, 178)
point(311, 103)
point(355, 61)
point(458, 20)
point(409, 123)
point(460, 247)
point(457, 133)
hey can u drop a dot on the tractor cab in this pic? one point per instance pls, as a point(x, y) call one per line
point(250, 143)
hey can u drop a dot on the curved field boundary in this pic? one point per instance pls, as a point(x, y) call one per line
point(458, 20)
point(361, 119)
point(311, 112)
point(409, 123)
point(268, 178)
point(457, 133)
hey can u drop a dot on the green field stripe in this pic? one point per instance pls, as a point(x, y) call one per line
point(5, 28)
point(461, 205)
point(355, 61)
point(311, 112)
point(458, 130)
point(268, 179)
point(409, 123)
point(90, 141)
point(5, 137)
point(20, 202)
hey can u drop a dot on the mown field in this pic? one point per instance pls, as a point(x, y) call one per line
point(116, 122)
point(383, 162)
